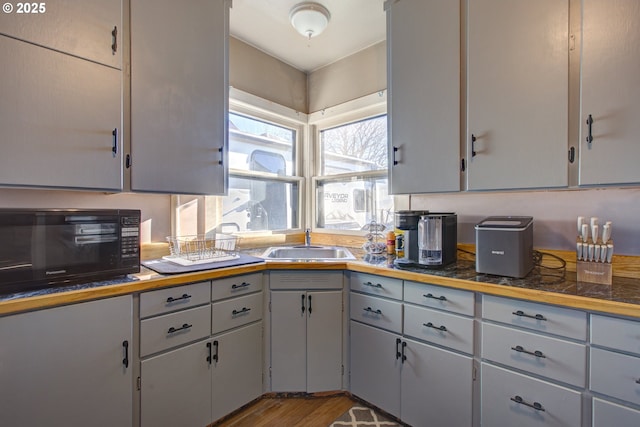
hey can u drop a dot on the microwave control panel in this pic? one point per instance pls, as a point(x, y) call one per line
point(130, 237)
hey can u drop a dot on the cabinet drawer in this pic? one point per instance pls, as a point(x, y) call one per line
point(500, 387)
point(376, 285)
point(305, 279)
point(172, 330)
point(558, 359)
point(438, 327)
point(378, 312)
point(172, 299)
point(236, 312)
point(604, 412)
point(539, 317)
point(619, 334)
point(235, 286)
point(615, 374)
point(433, 296)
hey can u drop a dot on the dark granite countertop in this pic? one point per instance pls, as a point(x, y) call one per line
point(549, 277)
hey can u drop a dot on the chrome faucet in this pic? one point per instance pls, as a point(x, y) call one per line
point(307, 237)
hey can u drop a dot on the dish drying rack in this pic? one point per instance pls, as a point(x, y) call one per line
point(202, 248)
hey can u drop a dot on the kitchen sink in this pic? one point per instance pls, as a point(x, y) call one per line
point(304, 253)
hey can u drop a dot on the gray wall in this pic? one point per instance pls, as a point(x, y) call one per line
point(257, 73)
point(554, 213)
point(353, 77)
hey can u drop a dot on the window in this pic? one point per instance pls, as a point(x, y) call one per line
point(351, 188)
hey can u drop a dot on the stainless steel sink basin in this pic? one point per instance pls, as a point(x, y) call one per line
point(307, 253)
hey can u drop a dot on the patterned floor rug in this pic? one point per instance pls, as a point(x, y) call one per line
point(360, 416)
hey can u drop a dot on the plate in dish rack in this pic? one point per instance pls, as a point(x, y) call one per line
point(187, 262)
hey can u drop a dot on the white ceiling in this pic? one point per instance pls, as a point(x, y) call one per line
point(264, 24)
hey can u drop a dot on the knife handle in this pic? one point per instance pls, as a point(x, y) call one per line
point(585, 233)
point(596, 253)
point(580, 222)
point(579, 251)
point(594, 233)
point(609, 252)
point(590, 252)
point(603, 253)
point(606, 232)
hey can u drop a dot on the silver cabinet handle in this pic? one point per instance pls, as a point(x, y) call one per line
point(535, 405)
point(536, 353)
point(431, 325)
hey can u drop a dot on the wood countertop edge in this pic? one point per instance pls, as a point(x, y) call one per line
point(82, 295)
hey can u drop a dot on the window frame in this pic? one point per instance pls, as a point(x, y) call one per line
point(363, 108)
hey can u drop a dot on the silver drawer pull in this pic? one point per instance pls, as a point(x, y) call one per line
point(370, 310)
point(521, 313)
point(377, 285)
point(535, 405)
point(183, 297)
point(173, 330)
point(237, 312)
point(440, 298)
point(536, 353)
point(440, 328)
point(240, 286)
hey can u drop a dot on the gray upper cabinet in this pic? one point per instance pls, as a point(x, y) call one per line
point(60, 119)
point(610, 89)
point(89, 29)
point(423, 54)
point(179, 96)
point(517, 94)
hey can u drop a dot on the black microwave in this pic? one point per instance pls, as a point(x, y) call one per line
point(40, 248)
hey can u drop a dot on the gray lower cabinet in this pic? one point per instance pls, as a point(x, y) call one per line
point(236, 369)
point(306, 331)
point(376, 366)
point(202, 356)
point(534, 364)
point(513, 399)
point(176, 387)
point(615, 371)
point(68, 366)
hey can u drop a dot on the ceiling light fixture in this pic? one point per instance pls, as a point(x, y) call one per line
point(309, 18)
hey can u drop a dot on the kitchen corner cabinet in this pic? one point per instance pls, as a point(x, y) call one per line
point(61, 115)
point(423, 74)
point(306, 331)
point(610, 90)
point(68, 366)
point(179, 96)
point(517, 94)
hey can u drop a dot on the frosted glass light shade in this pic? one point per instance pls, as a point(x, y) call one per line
point(309, 19)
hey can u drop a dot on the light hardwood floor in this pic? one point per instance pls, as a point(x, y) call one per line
point(291, 412)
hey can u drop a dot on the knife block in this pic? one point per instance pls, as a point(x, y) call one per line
point(594, 272)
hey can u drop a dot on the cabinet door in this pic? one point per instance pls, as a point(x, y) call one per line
point(237, 369)
point(423, 56)
point(176, 388)
point(60, 120)
point(80, 28)
point(324, 341)
point(437, 386)
point(610, 91)
point(179, 96)
point(375, 367)
point(288, 341)
point(517, 94)
point(65, 366)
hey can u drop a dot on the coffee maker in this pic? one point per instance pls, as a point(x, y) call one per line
point(437, 239)
point(407, 221)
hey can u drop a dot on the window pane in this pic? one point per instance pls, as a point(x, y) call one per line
point(354, 147)
point(351, 203)
point(255, 145)
point(259, 204)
